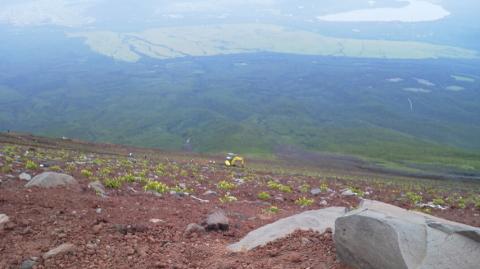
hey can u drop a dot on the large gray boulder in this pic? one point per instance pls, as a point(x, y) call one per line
point(379, 236)
point(51, 180)
point(316, 220)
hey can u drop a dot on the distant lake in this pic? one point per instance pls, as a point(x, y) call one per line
point(413, 11)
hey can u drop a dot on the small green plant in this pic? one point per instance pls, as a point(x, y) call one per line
point(228, 198)
point(31, 165)
point(105, 171)
point(263, 195)
point(156, 186)
point(98, 161)
point(414, 197)
point(279, 186)
point(225, 185)
point(357, 191)
point(55, 168)
point(461, 203)
point(113, 183)
point(304, 188)
point(303, 201)
point(324, 187)
point(128, 178)
point(273, 209)
point(438, 201)
point(86, 173)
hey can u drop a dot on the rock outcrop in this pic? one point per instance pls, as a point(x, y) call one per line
point(316, 220)
point(379, 236)
point(51, 180)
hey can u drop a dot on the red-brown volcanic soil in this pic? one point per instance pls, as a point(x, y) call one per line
point(132, 228)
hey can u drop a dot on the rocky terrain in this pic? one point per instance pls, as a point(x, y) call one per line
point(71, 204)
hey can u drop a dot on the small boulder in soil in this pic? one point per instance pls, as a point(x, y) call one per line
point(98, 187)
point(51, 180)
point(25, 176)
point(193, 228)
point(60, 250)
point(217, 220)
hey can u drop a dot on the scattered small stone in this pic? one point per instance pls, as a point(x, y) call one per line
point(25, 176)
point(193, 228)
point(97, 228)
point(142, 250)
point(323, 203)
point(62, 249)
point(294, 257)
point(156, 220)
point(130, 251)
point(315, 191)
point(209, 192)
point(239, 181)
point(98, 210)
point(130, 229)
point(217, 221)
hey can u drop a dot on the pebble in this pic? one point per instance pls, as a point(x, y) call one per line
point(316, 191)
point(323, 203)
point(28, 264)
point(348, 193)
point(62, 249)
point(294, 257)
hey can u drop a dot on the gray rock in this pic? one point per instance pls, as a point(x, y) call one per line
point(317, 220)
point(98, 187)
point(378, 236)
point(209, 192)
point(62, 249)
point(50, 180)
point(315, 191)
point(348, 193)
point(193, 228)
point(25, 176)
point(28, 264)
point(217, 221)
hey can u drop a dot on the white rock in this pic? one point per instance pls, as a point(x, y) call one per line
point(317, 220)
point(348, 193)
point(3, 219)
point(379, 236)
point(25, 176)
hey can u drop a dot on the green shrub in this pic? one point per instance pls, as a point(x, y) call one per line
point(228, 198)
point(55, 168)
point(438, 201)
point(31, 165)
point(278, 186)
point(414, 197)
point(303, 201)
point(225, 185)
point(263, 195)
point(273, 209)
point(156, 186)
point(86, 173)
point(304, 188)
point(113, 183)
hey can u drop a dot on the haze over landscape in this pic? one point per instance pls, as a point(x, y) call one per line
point(392, 81)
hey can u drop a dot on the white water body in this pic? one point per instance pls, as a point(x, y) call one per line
point(414, 11)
